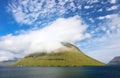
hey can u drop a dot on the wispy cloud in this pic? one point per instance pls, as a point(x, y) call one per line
point(106, 47)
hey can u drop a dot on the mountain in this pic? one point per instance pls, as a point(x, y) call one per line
point(115, 61)
point(8, 62)
point(12, 60)
point(70, 55)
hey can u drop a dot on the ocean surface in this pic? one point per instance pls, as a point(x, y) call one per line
point(60, 72)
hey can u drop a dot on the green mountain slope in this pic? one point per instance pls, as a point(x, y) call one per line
point(69, 56)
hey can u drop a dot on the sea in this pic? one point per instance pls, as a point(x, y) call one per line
point(60, 72)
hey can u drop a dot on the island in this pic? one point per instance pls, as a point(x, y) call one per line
point(70, 55)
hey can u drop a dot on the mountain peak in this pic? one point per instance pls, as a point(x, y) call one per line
point(69, 45)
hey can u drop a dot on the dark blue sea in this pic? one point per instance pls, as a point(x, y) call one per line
point(60, 72)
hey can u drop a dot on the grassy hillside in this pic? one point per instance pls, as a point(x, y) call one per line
point(67, 57)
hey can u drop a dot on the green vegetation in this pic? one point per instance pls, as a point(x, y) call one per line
point(67, 57)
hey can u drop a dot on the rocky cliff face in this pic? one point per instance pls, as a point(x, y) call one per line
point(115, 61)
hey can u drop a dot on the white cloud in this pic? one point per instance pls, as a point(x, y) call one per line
point(87, 7)
point(48, 38)
point(71, 30)
point(110, 25)
point(92, 1)
point(112, 1)
point(112, 8)
point(114, 23)
point(107, 46)
point(34, 11)
point(4, 55)
point(100, 10)
point(106, 17)
point(106, 49)
point(7, 55)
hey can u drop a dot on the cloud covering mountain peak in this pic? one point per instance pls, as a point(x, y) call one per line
point(48, 38)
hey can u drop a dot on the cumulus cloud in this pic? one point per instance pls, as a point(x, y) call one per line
point(46, 39)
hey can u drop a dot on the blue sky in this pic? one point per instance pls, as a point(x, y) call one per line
point(95, 26)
